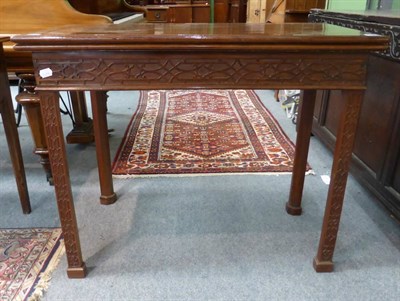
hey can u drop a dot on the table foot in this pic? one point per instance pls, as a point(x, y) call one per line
point(322, 266)
point(81, 134)
point(293, 210)
point(108, 199)
point(26, 208)
point(80, 272)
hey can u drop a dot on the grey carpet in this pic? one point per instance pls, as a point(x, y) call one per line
point(208, 237)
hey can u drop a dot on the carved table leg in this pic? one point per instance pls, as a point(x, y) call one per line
point(52, 123)
point(99, 109)
point(31, 104)
point(11, 132)
point(82, 131)
point(306, 109)
point(340, 169)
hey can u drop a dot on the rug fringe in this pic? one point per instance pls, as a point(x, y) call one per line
point(42, 286)
point(309, 172)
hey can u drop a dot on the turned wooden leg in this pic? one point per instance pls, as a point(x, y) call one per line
point(305, 118)
point(31, 104)
point(82, 131)
point(10, 129)
point(340, 168)
point(58, 158)
point(99, 109)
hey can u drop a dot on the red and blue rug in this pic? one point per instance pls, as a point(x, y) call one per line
point(202, 132)
point(27, 259)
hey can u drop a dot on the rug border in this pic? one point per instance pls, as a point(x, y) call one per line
point(127, 129)
point(42, 279)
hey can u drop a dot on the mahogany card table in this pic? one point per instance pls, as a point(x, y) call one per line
point(222, 56)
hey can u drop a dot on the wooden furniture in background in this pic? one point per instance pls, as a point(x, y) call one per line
point(179, 56)
point(191, 11)
point(187, 13)
point(17, 17)
point(298, 10)
point(221, 11)
point(155, 14)
point(237, 11)
point(10, 130)
point(173, 11)
point(376, 157)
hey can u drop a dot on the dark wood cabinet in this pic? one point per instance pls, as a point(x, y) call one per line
point(191, 11)
point(221, 11)
point(201, 13)
point(376, 156)
point(230, 11)
point(180, 14)
point(157, 14)
point(298, 10)
point(237, 11)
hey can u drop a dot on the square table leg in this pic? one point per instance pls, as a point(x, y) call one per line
point(99, 109)
point(305, 118)
point(62, 184)
point(340, 168)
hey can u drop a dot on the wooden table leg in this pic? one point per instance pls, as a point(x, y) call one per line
point(99, 109)
point(340, 168)
point(11, 132)
point(62, 184)
point(305, 118)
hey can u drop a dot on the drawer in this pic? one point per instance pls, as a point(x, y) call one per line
point(156, 14)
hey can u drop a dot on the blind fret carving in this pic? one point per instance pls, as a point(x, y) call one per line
point(186, 70)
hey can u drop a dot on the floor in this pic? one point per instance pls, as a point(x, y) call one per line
point(209, 237)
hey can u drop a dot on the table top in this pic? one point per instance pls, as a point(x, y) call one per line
point(295, 36)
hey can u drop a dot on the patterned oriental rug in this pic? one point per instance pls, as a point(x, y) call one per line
point(27, 259)
point(202, 132)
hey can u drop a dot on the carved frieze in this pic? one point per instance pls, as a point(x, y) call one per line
point(117, 71)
